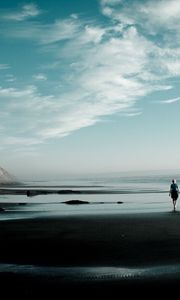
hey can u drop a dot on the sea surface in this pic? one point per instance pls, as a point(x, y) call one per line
point(106, 194)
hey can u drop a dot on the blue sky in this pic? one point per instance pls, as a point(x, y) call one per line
point(89, 86)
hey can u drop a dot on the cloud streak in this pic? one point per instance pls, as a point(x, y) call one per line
point(172, 100)
point(4, 66)
point(40, 77)
point(27, 11)
point(101, 69)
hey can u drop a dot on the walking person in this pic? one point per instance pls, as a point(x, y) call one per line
point(174, 193)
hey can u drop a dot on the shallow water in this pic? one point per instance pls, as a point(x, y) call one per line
point(21, 206)
point(93, 274)
point(145, 193)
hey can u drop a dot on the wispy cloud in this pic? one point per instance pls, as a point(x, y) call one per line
point(40, 77)
point(133, 114)
point(110, 2)
point(101, 69)
point(152, 14)
point(20, 141)
point(16, 93)
point(4, 66)
point(59, 30)
point(27, 11)
point(169, 101)
point(10, 78)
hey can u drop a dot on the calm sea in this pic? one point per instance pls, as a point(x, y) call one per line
point(104, 193)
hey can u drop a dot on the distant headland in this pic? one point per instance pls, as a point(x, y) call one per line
point(6, 178)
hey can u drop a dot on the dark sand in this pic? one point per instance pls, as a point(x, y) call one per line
point(127, 240)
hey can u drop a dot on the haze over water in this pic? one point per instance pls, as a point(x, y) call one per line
point(106, 194)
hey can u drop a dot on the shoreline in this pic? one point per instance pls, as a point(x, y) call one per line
point(34, 191)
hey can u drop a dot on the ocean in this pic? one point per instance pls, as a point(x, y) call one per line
point(106, 194)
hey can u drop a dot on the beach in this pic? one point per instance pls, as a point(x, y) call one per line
point(53, 253)
point(97, 236)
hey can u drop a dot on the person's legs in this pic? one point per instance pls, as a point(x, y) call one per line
point(174, 204)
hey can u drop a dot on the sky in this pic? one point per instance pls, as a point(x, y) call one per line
point(89, 86)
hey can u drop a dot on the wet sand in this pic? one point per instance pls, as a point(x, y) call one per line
point(128, 240)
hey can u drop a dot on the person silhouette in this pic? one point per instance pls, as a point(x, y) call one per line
point(174, 192)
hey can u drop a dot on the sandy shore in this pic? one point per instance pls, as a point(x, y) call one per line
point(121, 241)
